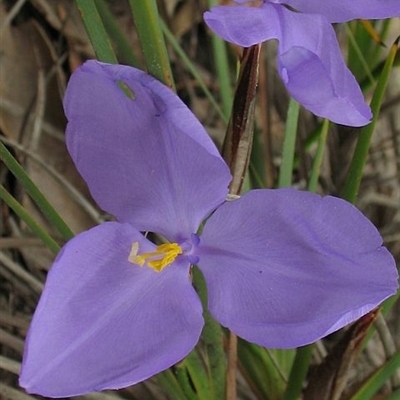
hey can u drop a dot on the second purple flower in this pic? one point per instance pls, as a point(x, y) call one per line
point(310, 62)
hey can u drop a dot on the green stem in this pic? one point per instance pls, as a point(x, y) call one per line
point(289, 145)
point(212, 338)
point(222, 68)
point(147, 22)
point(96, 31)
point(359, 53)
point(122, 46)
point(34, 192)
point(195, 368)
point(378, 379)
point(170, 385)
point(298, 372)
point(354, 174)
point(183, 378)
point(192, 69)
point(50, 243)
point(316, 167)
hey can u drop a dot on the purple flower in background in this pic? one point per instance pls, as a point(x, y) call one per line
point(283, 267)
point(310, 62)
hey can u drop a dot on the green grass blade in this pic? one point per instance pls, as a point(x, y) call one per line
point(255, 371)
point(365, 48)
point(222, 69)
point(147, 22)
point(358, 53)
point(97, 33)
point(223, 74)
point(33, 191)
point(184, 381)
point(169, 383)
point(354, 174)
point(212, 337)
point(50, 243)
point(298, 372)
point(394, 396)
point(378, 379)
point(316, 167)
point(383, 27)
point(289, 145)
point(257, 169)
point(265, 370)
point(198, 375)
point(121, 44)
point(192, 69)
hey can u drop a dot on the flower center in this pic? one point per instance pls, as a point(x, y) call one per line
point(164, 255)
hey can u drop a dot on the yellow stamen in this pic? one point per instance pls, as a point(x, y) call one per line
point(164, 255)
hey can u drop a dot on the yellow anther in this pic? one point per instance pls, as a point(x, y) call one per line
point(164, 255)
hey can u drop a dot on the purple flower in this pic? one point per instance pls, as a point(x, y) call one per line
point(283, 267)
point(310, 62)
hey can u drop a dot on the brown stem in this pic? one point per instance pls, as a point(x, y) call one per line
point(231, 392)
point(236, 152)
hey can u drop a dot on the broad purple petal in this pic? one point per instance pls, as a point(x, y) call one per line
point(146, 160)
point(310, 62)
point(244, 26)
point(105, 323)
point(345, 10)
point(285, 268)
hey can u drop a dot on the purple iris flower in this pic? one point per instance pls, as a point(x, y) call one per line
point(283, 267)
point(310, 62)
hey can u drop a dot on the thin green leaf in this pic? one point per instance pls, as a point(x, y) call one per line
point(168, 382)
point(122, 47)
point(265, 370)
point(354, 174)
point(198, 375)
point(257, 169)
point(394, 396)
point(289, 144)
point(254, 370)
point(384, 28)
point(96, 31)
point(316, 167)
point(222, 69)
point(182, 376)
point(378, 379)
point(147, 22)
point(365, 51)
point(192, 69)
point(359, 54)
point(223, 74)
point(50, 243)
point(33, 191)
point(212, 338)
point(298, 372)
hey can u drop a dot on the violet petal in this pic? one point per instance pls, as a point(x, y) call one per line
point(345, 10)
point(244, 26)
point(285, 268)
point(147, 160)
point(105, 323)
point(309, 58)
